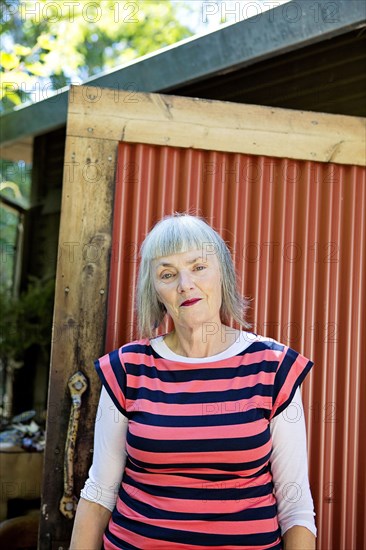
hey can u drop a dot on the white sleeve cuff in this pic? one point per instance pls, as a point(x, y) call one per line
point(94, 493)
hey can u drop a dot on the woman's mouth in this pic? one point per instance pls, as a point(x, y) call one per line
point(190, 302)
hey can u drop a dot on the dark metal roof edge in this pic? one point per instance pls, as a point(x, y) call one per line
point(284, 28)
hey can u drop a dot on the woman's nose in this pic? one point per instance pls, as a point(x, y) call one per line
point(185, 282)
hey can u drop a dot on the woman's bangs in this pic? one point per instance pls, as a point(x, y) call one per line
point(175, 240)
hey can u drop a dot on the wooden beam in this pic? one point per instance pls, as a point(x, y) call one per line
point(216, 125)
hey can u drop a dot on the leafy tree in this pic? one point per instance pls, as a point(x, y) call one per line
point(46, 45)
point(26, 320)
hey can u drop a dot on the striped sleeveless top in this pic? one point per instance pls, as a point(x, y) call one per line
point(198, 445)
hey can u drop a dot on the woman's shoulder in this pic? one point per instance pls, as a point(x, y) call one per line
point(140, 345)
point(281, 352)
point(264, 342)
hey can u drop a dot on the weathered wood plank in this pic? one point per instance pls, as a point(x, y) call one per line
point(79, 316)
point(217, 125)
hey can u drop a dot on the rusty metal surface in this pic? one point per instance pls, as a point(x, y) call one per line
point(78, 384)
point(297, 233)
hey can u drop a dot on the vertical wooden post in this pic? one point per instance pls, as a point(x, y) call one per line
point(80, 315)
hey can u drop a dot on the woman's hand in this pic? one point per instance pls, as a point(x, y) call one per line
point(299, 538)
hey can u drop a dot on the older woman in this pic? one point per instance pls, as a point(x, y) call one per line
point(200, 437)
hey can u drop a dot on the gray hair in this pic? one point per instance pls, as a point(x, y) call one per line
point(172, 235)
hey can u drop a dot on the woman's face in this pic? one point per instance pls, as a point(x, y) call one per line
point(189, 286)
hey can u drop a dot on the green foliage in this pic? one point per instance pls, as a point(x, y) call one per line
point(50, 44)
point(8, 238)
point(27, 320)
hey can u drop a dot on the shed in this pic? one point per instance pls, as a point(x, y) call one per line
point(258, 126)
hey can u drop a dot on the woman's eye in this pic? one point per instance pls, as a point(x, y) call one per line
point(166, 275)
point(200, 267)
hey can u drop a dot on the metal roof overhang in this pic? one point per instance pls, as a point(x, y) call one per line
point(197, 60)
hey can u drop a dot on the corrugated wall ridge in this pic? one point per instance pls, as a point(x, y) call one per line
point(297, 233)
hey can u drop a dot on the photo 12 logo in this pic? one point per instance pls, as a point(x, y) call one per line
point(53, 12)
point(290, 11)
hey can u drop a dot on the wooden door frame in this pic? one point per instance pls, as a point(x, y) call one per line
point(98, 120)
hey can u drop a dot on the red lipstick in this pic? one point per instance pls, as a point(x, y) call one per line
point(190, 302)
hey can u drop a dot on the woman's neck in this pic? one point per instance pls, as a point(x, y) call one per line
point(199, 342)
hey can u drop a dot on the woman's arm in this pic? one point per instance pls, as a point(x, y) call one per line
point(100, 491)
point(90, 522)
point(295, 506)
point(298, 538)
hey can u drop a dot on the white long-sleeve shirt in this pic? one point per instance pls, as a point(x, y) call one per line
point(288, 460)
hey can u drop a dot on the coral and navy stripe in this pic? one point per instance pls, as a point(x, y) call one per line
point(198, 445)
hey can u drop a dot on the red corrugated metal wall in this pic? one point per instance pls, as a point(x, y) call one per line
point(297, 233)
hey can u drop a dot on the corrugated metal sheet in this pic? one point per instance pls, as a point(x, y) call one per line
point(297, 233)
